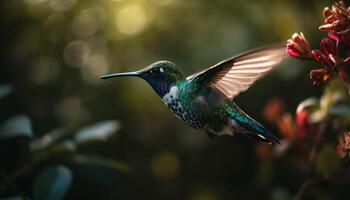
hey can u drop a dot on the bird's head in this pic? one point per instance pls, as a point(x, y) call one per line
point(161, 75)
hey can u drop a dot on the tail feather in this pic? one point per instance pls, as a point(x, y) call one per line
point(261, 134)
point(254, 130)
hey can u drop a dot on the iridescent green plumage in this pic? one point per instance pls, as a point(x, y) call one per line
point(204, 100)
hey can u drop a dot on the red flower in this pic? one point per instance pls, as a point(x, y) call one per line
point(302, 120)
point(342, 38)
point(328, 54)
point(328, 47)
point(274, 109)
point(298, 46)
point(337, 25)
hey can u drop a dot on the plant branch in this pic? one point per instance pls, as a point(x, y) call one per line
point(8, 181)
point(28, 166)
point(306, 184)
point(311, 181)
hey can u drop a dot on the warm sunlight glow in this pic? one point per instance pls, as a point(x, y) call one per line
point(131, 20)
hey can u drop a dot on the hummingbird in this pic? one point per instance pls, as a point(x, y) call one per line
point(204, 100)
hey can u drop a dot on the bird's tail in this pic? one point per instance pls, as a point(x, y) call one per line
point(252, 128)
point(261, 136)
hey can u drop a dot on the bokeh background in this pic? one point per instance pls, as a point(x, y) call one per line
point(53, 52)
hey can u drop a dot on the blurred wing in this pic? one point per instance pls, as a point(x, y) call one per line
point(238, 73)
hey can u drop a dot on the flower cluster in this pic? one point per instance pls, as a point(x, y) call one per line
point(337, 24)
point(332, 48)
point(343, 147)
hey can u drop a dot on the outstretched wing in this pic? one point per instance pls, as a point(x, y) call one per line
point(237, 74)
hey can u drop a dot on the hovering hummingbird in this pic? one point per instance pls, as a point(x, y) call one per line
point(204, 100)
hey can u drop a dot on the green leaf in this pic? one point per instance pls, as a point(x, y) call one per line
point(52, 184)
point(5, 90)
point(327, 161)
point(103, 162)
point(334, 85)
point(340, 111)
point(19, 125)
point(98, 131)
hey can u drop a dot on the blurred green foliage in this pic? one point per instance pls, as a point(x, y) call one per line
point(53, 52)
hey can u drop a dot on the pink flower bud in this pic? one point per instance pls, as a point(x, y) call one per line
point(347, 60)
point(317, 55)
point(328, 47)
point(298, 46)
point(334, 36)
point(326, 27)
point(292, 51)
point(337, 18)
point(327, 13)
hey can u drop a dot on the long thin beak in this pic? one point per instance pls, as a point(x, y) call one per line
point(137, 73)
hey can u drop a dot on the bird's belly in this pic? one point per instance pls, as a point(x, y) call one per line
point(189, 116)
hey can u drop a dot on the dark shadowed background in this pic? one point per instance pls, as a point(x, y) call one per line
point(53, 51)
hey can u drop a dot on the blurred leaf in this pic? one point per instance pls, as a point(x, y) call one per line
point(265, 173)
point(310, 103)
point(165, 164)
point(335, 85)
point(98, 131)
point(13, 198)
point(65, 146)
point(48, 139)
point(52, 183)
point(5, 90)
point(327, 102)
point(280, 194)
point(19, 125)
point(104, 162)
point(327, 161)
point(340, 111)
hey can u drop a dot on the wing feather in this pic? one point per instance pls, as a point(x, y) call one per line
point(237, 74)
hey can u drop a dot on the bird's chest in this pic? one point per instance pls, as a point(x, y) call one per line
point(181, 111)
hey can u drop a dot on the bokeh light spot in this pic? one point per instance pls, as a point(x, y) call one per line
point(71, 111)
point(204, 193)
point(131, 20)
point(76, 53)
point(163, 2)
point(35, 1)
point(165, 165)
point(95, 66)
point(62, 5)
point(88, 22)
